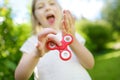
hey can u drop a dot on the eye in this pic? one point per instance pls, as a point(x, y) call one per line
point(52, 3)
point(40, 6)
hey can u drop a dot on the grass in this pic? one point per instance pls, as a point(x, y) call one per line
point(106, 66)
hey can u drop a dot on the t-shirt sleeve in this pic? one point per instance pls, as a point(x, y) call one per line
point(30, 45)
point(80, 38)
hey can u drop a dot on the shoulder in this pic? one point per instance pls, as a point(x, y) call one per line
point(32, 38)
point(29, 44)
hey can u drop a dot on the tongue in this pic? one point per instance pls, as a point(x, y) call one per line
point(51, 20)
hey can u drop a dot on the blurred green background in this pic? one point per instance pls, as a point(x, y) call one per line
point(102, 39)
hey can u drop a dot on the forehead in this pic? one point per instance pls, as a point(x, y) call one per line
point(38, 1)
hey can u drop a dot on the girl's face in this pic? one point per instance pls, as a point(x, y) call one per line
point(48, 13)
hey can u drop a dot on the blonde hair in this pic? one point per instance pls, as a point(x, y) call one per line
point(36, 26)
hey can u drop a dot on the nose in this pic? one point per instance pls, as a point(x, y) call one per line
point(47, 7)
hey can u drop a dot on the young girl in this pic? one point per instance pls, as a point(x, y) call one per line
point(50, 24)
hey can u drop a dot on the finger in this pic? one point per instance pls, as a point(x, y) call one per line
point(39, 49)
point(68, 17)
point(63, 28)
point(45, 32)
point(39, 46)
point(64, 22)
point(54, 39)
point(71, 22)
point(71, 17)
point(67, 21)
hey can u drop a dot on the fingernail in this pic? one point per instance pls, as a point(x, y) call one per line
point(64, 11)
point(60, 44)
point(37, 45)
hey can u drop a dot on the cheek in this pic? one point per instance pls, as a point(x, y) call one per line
point(60, 15)
point(39, 16)
point(59, 12)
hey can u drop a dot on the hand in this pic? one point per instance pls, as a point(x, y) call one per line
point(47, 34)
point(68, 25)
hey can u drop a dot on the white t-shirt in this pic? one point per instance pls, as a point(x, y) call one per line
point(51, 67)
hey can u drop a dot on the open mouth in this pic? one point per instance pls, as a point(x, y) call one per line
point(50, 18)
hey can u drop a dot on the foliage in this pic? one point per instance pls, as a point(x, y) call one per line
point(11, 38)
point(97, 34)
point(111, 13)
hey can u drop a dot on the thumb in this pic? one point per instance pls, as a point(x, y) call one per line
point(63, 28)
point(39, 46)
point(39, 49)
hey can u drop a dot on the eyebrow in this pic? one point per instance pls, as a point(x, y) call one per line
point(50, 0)
point(39, 3)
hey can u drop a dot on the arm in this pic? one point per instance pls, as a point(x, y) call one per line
point(29, 60)
point(26, 66)
point(84, 56)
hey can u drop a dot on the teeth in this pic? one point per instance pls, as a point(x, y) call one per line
point(50, 16)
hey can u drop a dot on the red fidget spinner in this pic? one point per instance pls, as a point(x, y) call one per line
point(65, 53)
